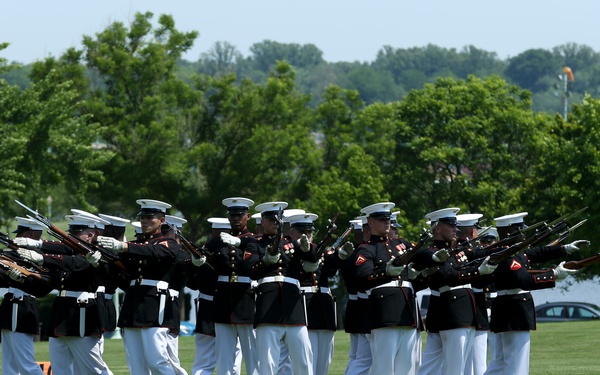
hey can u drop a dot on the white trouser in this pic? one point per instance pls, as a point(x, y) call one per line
point(511, 354)
point(146, 350)
point(321, 343)
point(76, 355)
point(359, 356)
point(205, 359)
point(477, 359)
point(296, 338)
point(285, 363)
point(173, 350)
point(226, 341)
point(448, 351)
point(394, 351)
point(17, 354)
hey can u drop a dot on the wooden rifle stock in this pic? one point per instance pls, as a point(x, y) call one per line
point(6, 241)
point(338, 243)
point(575, 264)
point(8, 264)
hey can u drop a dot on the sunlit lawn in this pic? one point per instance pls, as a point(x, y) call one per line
point(556, 348)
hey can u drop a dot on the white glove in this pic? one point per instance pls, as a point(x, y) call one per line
point(32, 256)
point(412, 272)
point(441, 256)
point(485, 268)
point(346, 250)
point(94, 258)
point(392, 270)
point(110, 243)
point(561, 273)
point(28, 243)
point(16, 275)
point(304, 244)
point(230, 240)
point(198, 261)
point(576, 245)
point(269, 259)
point(310, 266)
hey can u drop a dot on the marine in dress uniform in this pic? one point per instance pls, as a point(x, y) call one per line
point(76, 321)
point(392, 312)
point(204, 279)
point(280, 311)
point(513, 310)
point(451, 318)
point(145, 315)
point(468, 229)
point(178, 282)
point(355, 322)
point(19, 315)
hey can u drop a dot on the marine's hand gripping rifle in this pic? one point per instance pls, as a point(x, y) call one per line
point(72, 241)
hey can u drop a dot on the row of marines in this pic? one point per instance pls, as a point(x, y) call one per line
point(266, 296)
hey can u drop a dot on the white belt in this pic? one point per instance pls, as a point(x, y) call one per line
point(279, 279)
point(477, 290)
point(207, 297)
point(510, 292)
point(446, 288)
point(362, 295)
point(492, 295)
point(18, 293)
point(315, 289)
point(352, 297)
point(391, 284)
point(101, 289)
point(173, 293)
point(108, 296)
point(159, 284)
point(82, 297)
point(234, 279)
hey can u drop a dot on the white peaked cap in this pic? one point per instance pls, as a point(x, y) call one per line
point(394, 219)
point(363, 219)
point(488, 231)
point(151, 206)
point(115, 221)
point(383, 209)
point(356, 224)
point(26, 223)
point(237, 204)
point(508, 220)
point(468, 220)
point(100, 222)
point(445, 214)
point(175, 220)
point(287, 214)
point(219, 223)
point(258, 217)
point(81, 221)
point(137, 226)
point(303, 220)
point(271, 207)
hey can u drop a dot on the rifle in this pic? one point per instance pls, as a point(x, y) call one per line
point(563, 235)
point(574, 264)
point(406, 257)
point(274, 247)
point(331, 227)
point(6, 241)
point(557, 225)
point(8, 264)
point(70, 240)
point(338, 243)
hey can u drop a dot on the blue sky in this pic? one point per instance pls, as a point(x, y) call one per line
point(345, 30)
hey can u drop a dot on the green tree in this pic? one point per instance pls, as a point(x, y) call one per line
point(529, 67)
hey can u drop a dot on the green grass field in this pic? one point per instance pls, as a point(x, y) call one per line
point(556, 348)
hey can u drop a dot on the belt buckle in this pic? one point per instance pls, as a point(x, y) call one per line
point(233, 279)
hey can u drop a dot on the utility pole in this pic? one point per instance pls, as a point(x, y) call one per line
point(567, 79)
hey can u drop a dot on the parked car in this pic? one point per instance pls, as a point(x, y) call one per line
point(566, 311)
